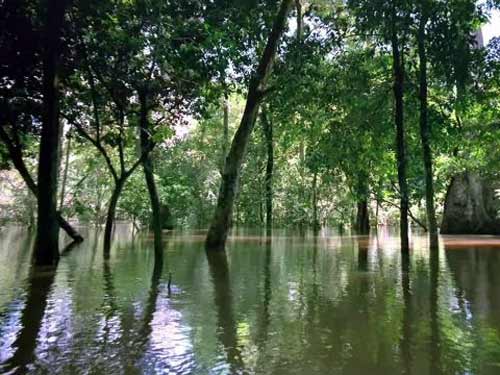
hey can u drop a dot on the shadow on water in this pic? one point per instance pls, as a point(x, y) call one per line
point(227, 334)
point(41, 280)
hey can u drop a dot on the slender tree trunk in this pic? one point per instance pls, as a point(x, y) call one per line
point(219, 228)
point(362, 225)
point(426, 138)
point(316, 225)
point(17, 160)
point(65, 173)
point(268, 133)
point(225, 140)
point(110, 218)
point(147, 164)
point(362, 217)
point(400, 140)
point(47, 239)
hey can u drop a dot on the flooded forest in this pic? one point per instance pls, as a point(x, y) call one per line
point(250, 187)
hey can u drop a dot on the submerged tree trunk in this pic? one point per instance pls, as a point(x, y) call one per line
point(110, 217)
point(425, 138)
point(362, 217)
point(362, 225)
point(47, 238)
point(316, 225)
point(147, 164)
point(268, 133)
point(400, 140)
point(219, 228)
point(17, 159)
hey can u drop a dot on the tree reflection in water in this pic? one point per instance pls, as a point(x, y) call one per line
point(435, 348)
point(406, 337)
point(40, 284)
point(226, 324)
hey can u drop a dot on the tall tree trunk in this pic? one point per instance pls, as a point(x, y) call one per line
point(362, 217)
point(147, 164)
point(268, 133)
point(47, 239)
point(110, 218)
point(425, 137)
point(65, 172)
point(400, 140)
point(17, 159)
point(225, 123)
point(316, 225)
point(362, 225)
point(219, 228)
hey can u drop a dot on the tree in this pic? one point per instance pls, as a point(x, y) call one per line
point(425, 134)
point(21, 109)
point(267, 126)
point(47, 238)
point(217, 233)
point(152, 82)
point(388, 21)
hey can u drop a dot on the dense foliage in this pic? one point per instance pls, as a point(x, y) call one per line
point(327, 114)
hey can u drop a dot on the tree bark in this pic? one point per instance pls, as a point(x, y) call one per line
point(147, 164)
point(65, 172)
point(316, 225)
point(110, 217)
point(219, 228)
point(400, 140)
point(17, 159)
point(47, 239)
point(425, 137)
point(362, 225)
point(362, 217)
point(225, 123)
point(471, 206)
point(268, 133)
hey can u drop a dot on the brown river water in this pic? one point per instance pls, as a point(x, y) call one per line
point(286, 304)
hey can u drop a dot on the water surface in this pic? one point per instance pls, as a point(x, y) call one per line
point(288, 304)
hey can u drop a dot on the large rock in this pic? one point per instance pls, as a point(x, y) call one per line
point(471, 206)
